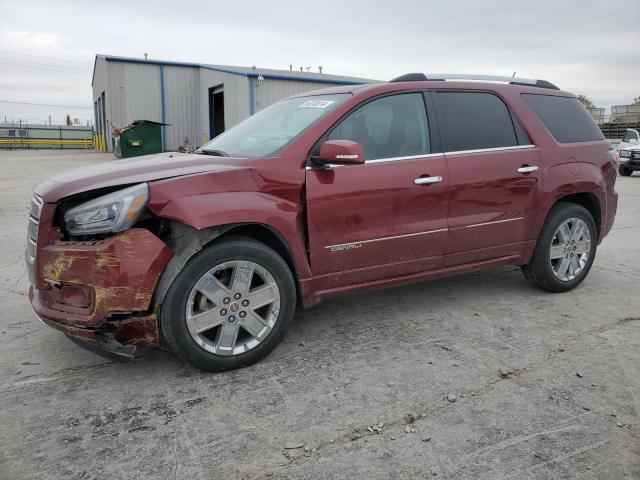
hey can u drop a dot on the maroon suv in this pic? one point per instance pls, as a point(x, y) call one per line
point(324, 193)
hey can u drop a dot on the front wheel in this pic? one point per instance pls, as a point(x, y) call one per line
point(565, 249)
point(625, 171)
point(230, 306)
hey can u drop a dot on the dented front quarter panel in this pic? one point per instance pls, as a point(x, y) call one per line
point(122, 272)
point(259, 191)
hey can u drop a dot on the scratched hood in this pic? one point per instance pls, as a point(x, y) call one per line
point(131, 171)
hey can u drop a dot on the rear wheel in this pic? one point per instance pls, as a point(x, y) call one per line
point(230, 305)
point(625, 171)
point(565, 249)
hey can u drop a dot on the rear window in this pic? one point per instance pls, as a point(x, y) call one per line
point(565, 117)
point(475, 121)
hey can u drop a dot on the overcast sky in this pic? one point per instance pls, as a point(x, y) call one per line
point(47, 47)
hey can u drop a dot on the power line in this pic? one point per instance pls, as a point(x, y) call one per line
point(52, 68)
point(45, 104)
point(38, 63)
point(43, 57)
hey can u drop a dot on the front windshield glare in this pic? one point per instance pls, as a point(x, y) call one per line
point(266, 132)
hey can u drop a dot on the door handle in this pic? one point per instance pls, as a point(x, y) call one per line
point(528, 169)
point(427, 180)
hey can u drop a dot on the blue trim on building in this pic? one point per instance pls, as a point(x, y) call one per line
point(252, 96)
point(304, 79)
point(93, 75)
point(162, 110)
point(225, 70)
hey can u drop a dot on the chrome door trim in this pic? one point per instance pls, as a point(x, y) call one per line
point(358, 244)
point(397, 159)
point(379, 160)
point(428, 155)
point(496, 149)
point(494, 222)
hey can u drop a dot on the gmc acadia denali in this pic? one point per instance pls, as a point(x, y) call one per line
point(329, 192)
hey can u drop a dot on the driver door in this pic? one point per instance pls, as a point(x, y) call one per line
point(388, 216)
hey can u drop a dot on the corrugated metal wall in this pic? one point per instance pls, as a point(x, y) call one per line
point(133, 92)
point(273, 90)
point(236, 99)
point(181, 106)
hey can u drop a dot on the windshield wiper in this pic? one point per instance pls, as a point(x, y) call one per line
point(215, 153)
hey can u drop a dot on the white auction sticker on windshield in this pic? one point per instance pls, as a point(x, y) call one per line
point(316, 104)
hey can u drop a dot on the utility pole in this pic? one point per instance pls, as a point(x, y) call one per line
point(49, 119)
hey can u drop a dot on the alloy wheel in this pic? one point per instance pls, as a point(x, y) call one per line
point(570, 249)
point(233, 307)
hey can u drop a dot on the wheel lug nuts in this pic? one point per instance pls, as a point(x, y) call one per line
point(231, 319)
point(226, 300)
point(245, 303)
point(237, 296)
point(223, 312)
point(243, 314)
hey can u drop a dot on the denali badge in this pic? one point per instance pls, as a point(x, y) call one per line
point(345, 246)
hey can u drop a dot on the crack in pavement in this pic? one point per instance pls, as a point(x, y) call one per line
point(426, 412)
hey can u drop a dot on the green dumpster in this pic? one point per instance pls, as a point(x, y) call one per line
point(142, 137)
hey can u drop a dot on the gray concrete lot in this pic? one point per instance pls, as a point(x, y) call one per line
point(546, 386)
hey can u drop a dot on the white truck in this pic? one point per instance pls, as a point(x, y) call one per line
point(629, 152)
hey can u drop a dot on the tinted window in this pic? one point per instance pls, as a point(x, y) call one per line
point(394, 126)
point(474, 120)
point(565, 117)
point(630, 135)
point(523, 137)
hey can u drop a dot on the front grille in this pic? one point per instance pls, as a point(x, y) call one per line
point(32, 228)
point(635, 155)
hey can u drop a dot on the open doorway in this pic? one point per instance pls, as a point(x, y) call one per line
point(216, 111)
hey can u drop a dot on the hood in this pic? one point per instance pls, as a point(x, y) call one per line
point(131, 171)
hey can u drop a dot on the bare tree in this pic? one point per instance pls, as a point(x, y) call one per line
point(586, 101)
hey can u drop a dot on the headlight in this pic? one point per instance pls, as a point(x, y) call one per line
point(625, 153)
point(110, 213)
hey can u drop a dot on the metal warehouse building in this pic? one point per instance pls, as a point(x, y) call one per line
point(197, 101)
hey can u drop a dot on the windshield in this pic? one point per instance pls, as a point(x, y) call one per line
point(266, 132)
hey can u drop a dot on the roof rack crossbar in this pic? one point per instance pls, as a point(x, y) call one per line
point(417, 77)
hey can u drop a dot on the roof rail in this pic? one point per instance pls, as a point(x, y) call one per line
point(421, 77)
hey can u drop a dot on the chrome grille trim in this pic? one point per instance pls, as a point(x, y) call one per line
point(32, 228)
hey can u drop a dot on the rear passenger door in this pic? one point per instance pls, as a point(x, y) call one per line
point(495, 176)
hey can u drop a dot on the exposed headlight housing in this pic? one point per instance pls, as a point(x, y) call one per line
point(110, 213)
point(625, 153)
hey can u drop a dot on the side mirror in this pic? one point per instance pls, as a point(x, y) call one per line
point(341, 152)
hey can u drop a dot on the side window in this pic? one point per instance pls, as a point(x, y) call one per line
point(630, 135)
point(565, 117)
point(393, 126)
point(475, 120)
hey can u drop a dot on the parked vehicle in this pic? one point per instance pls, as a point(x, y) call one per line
point(325, 193)
point(629, 152)
point(631, 139)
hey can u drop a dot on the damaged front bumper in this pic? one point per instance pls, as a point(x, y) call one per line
point(99, 293)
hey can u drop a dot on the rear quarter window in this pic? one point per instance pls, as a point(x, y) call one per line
point(565, 117)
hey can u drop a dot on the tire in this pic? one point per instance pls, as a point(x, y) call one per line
point(210, 350)
point(547, 273)
point(624, 171)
